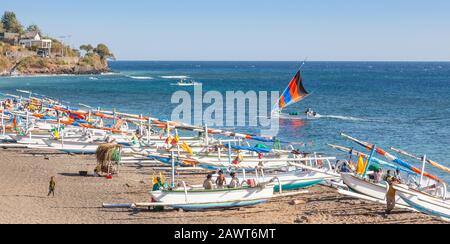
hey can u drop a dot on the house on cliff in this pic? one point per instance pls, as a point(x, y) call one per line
point(34, 40)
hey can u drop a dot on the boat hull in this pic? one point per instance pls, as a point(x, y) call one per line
point(377, 191)
point(433, 207)
point(234, 204)
point(295, 180)
point(210, 199)
point(72, 147)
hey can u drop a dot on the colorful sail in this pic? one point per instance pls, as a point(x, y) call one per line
point(392, 158)
point(294, 93)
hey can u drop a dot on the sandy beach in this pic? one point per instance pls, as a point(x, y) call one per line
point(24, 176)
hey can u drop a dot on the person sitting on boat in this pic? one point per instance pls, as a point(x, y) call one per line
point(221, 181)
point(234, 181)
point(388, 175)
point(208, 183)
point(158, 185)
point(398, 175)
point(342, 167)
point(378, 175)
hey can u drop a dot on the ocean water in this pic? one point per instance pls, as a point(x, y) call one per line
point(405, 105)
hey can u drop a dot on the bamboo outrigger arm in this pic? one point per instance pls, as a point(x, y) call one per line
point(431, 162)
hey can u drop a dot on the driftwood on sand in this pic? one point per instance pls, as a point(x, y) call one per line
point(108, 158)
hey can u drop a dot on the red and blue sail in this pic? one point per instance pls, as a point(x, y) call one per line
point(294, 93)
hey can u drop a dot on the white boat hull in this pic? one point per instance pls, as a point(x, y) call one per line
point(427, 205)
point(377, 191)
point(210, 199)
point(72, 146)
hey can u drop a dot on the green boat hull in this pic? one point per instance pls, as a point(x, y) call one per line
point(297, 185)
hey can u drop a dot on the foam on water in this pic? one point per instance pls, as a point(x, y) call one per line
point(338, 117)
point(140, 77)
point(320, 116)
point(175, 77)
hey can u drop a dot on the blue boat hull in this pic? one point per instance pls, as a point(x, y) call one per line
point(194, 207)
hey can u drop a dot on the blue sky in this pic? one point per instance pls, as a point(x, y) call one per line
point(249, 29)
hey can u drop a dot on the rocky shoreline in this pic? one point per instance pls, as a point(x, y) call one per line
point(42, 66)
point(56, 73)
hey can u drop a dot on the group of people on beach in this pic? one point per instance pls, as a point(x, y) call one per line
point(221, 181)
point(208, 184)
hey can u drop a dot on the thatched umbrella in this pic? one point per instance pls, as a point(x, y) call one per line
point(108, 158)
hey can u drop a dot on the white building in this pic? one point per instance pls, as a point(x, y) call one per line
point(33, 39)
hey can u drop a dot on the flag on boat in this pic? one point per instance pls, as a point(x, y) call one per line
point(187, 148)
point(361, 165)
point(294, 93)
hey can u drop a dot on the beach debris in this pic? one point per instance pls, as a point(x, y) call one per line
point(297, 202)
point(303, 220)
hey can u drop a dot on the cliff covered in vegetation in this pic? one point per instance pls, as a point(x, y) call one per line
point(27, 52)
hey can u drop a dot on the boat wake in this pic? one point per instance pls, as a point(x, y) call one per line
point(175, 77)
point(337, 117)
point(140, 77)
point(319, 116)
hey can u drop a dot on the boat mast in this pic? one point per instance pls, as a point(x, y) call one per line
point(424, 161)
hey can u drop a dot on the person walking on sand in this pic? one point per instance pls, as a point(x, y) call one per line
point(52, 187)
point(390, 195)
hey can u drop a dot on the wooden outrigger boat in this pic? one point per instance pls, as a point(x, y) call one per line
point(431, 206)
point(439, 208)
point(429, 197)
point(194, 199)
point(371, 189)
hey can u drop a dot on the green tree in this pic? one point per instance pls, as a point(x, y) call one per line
point(34, 28)
point(1, 27)
point(11, 23)
point(88, 48)
point(103, 51)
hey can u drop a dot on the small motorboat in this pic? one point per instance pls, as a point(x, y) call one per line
point(309, 114)
point(185, 82)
